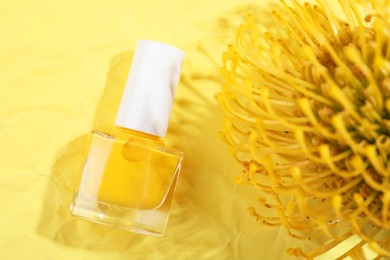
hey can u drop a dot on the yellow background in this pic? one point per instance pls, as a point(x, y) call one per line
point(62, 68)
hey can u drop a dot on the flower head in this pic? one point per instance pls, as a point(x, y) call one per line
point(307, 104)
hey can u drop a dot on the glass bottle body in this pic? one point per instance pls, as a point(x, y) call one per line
point(128, 181)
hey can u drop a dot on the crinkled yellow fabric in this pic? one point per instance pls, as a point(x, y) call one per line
point(63, 65)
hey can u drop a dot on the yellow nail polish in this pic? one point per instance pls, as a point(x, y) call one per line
point(129, 176)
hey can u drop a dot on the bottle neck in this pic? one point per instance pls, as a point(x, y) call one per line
point(132, 132)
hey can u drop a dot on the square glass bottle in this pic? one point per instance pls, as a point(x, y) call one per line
point(129, 177)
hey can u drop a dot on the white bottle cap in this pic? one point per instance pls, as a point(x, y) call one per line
point(150, 88)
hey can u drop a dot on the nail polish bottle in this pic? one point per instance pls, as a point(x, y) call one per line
point(129, 177)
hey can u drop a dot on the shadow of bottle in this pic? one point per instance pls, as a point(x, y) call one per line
point(57, 224)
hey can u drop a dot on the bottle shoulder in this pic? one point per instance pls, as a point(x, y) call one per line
point(129, 138)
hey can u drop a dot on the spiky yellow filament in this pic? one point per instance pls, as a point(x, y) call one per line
point(307, 107)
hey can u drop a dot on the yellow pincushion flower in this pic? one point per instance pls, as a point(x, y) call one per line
point(307, 104)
